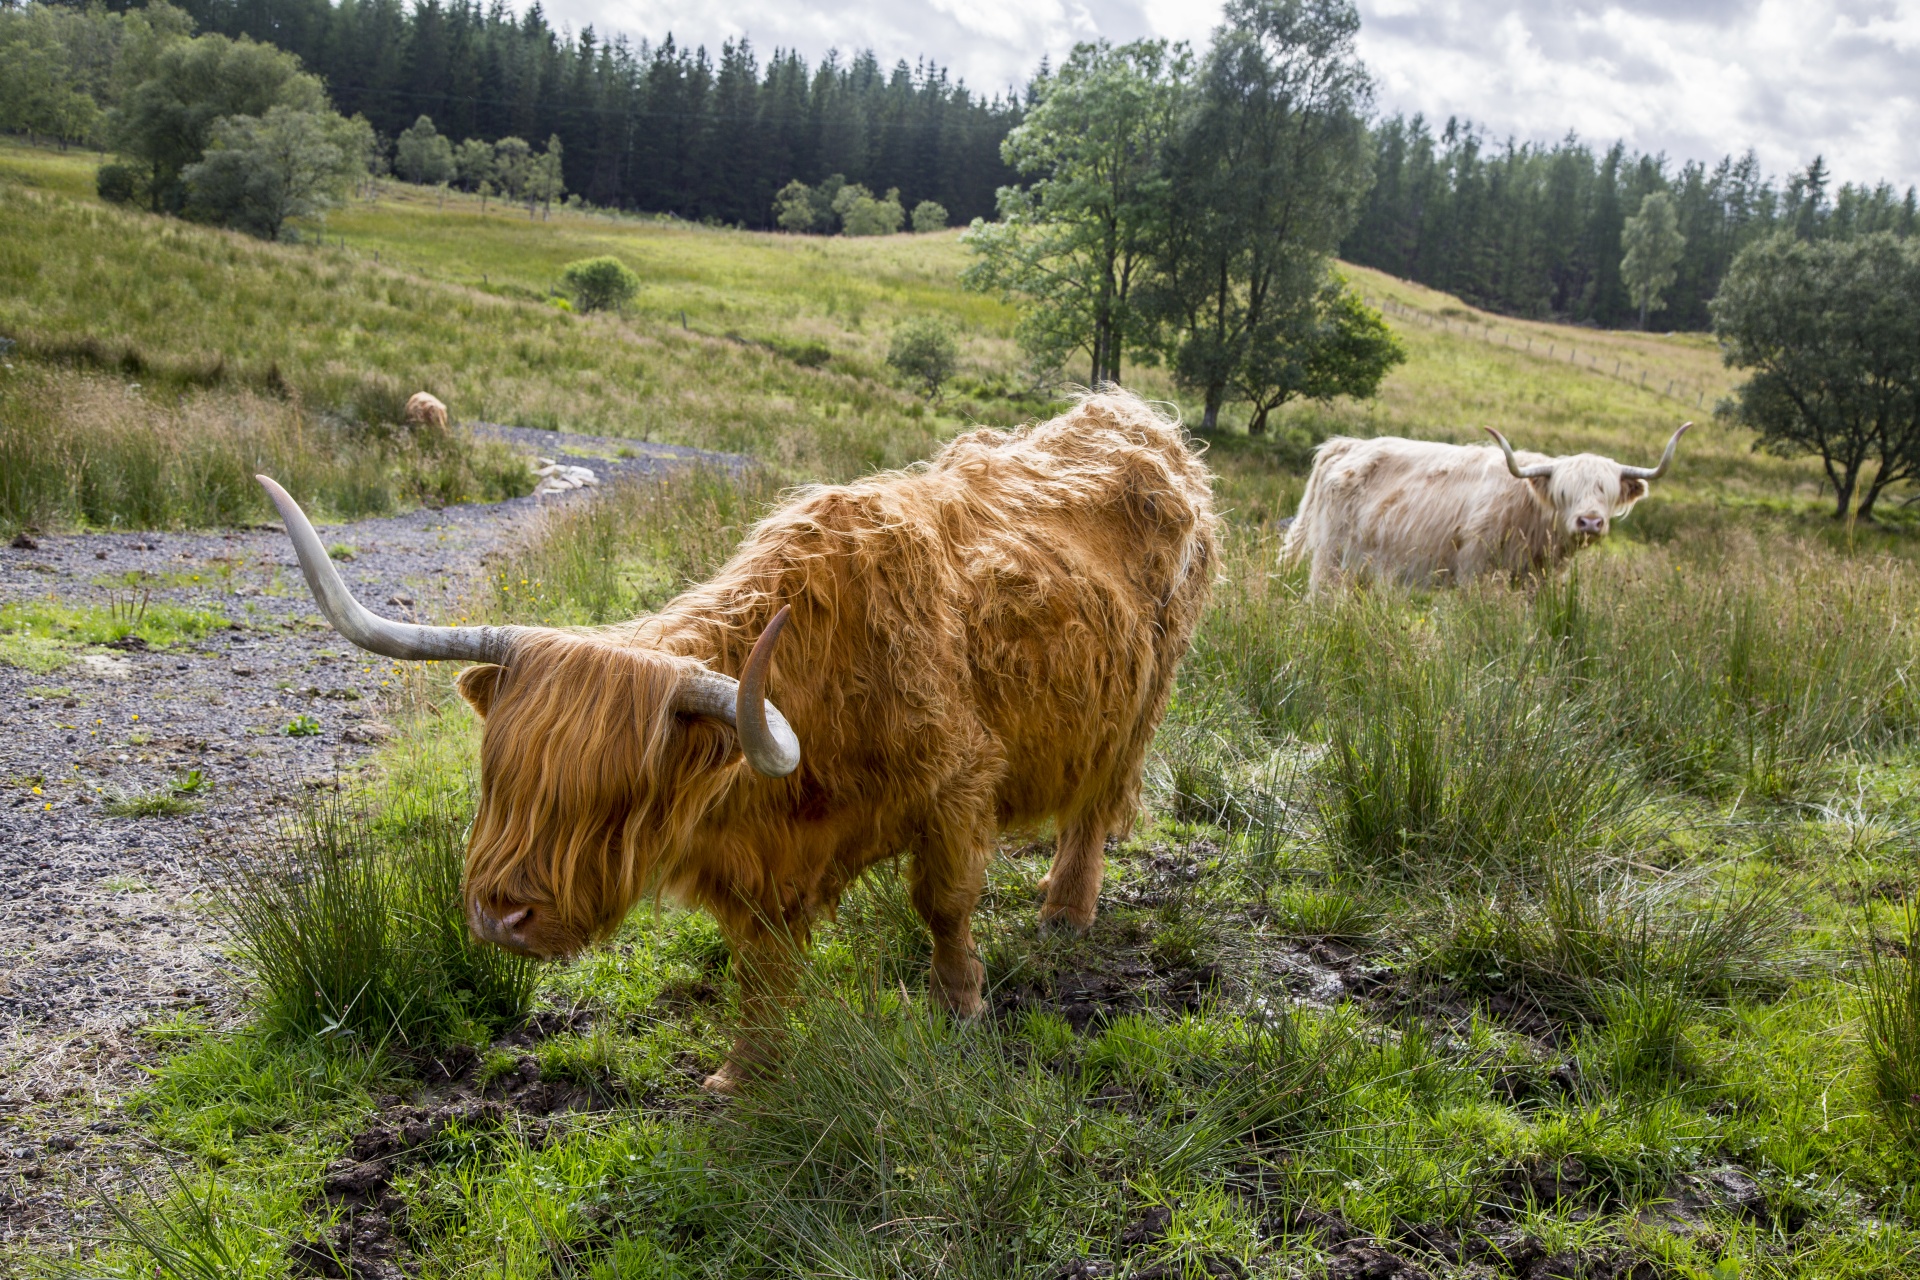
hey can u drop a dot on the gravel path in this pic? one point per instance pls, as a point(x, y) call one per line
point(105, 926)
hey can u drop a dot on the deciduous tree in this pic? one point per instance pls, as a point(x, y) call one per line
point(1651, 246)
point(1074, 243)
point(1831, 332)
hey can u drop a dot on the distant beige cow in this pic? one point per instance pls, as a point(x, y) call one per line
point(1420, 513)
point(425, 409)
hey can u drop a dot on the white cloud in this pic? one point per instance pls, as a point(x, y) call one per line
point(1696, 79)
point(1790, 78)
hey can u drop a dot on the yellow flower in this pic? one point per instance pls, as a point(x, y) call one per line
point(36, 791)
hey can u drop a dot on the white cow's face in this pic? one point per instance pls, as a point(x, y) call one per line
point(1586, 494)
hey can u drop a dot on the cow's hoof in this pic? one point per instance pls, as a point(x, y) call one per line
point(1065, 920)
point(723, 1083)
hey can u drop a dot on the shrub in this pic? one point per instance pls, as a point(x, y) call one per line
point(862, 215)
point(924, 350)
point(600, 284)
point(929, 215)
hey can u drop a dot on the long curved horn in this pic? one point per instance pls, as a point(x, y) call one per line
point(766, 739)
point(1534, 472)
point(1666, 459)
point(404, 640)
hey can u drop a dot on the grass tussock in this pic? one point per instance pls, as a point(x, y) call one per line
point(1890, 1004)
point(354, 928)
point(98, 451)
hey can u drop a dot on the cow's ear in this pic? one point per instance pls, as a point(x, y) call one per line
point(1632, 488)
point(478, 684)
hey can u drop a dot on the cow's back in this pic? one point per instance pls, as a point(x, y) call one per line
point(1006, 617)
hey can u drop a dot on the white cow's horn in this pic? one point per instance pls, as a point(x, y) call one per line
point(1666, 459)
point(404, 640)
point(1534, 472)
point(766, 739)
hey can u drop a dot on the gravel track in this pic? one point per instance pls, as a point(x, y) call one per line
point(105, 922)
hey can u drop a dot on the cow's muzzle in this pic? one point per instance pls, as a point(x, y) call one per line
point(1590, 526)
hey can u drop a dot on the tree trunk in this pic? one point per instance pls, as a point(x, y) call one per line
point(1210, 420)
point(1257, 425)
point(1845, 487)
point(1643, 314)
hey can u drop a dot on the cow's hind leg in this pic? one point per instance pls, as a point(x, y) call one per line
point(944, 880)
point(1072, 884)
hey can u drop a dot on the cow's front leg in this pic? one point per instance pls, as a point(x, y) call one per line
point(766, 963)
point(944, 883)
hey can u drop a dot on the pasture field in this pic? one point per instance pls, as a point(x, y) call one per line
point(1556, 932)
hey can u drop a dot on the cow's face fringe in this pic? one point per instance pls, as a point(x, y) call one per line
point(1586, 485)
point(589, 783)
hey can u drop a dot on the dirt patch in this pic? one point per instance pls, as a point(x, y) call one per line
point(459, 1100)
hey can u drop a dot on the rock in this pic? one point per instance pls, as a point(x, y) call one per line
point(22, 542)
point(558, 477)
point(106, 666)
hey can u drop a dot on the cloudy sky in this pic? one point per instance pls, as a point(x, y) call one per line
point(1692, 78)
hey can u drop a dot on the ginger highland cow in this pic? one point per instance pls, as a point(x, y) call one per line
point(983, 642)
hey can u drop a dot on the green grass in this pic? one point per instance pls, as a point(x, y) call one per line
point(45, 635)
point(1618, 870)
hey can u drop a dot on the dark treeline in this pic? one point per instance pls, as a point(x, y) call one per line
point(1534, 230)
point(653, 127)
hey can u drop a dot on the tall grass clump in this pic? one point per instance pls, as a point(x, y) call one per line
point(635, 546)
point(892, 1143)
point(79, 449)
point(1890, 1003)
point(1585, 931)
point(352, 933)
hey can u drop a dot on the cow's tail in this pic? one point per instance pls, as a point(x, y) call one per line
point(1298, 543)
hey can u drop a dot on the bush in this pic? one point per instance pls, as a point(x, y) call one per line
point(862, 215)
point(600, 284)
point(923, 350)
point(929, 215)
point(120, 183)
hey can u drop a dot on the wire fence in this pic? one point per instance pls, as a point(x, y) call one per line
point(1598, 362)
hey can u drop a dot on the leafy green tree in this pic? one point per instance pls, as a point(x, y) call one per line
point(1331, 345)
point(793, 207)
point(512, 167)
point(863, 215)
point(544, 184)
point(1831, 331)
point(929, 215)
point(473, 164)
point(600, 284)
point(1270, 164)
point(1651, 246)
point(1075, 241)
point(165, 122)
point(422, 155)
point(260, 172)
point(923, 349)
point(40, 94)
